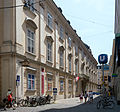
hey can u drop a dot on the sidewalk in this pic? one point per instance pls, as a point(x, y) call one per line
point(72, 100)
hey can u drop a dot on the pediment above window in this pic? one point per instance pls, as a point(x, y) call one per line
point(49, 38)
point(70, 55)
point(31, 23)
point(76, 60)
point(61, 48)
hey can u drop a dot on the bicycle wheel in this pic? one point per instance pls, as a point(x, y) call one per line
point(98, 105)
point(110, 104)
point(25, 103)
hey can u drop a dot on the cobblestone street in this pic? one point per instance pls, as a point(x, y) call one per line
point(65, 105)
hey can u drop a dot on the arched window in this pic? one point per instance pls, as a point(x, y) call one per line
point(76, 66)
point(61, 50)
point(70, 62)
point(30, 35)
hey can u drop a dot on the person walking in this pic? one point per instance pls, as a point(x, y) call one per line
point(85, 96)
point(91, 96)
point(81, 98)
point(9, 102)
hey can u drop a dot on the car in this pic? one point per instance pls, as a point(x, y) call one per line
point(96, 93)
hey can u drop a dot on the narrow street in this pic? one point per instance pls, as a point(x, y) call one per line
point(66, 105)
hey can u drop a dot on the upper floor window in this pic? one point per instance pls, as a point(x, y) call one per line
point(30, 4)
point(61, 32)
point(76, 49)
point(69, 42)
point(49, 20)
point(61, 58)
point(70, 64)
point(31, 82)
point(30, 41)
point(49, 51)
point(76, 67)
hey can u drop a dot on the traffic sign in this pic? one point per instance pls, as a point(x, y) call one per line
point(103, 58)
point(54, 91)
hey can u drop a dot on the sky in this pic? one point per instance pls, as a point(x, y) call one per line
point(93, 21)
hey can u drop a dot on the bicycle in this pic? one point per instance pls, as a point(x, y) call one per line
point(105, 102)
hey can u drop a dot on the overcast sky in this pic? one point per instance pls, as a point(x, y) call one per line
point(93, 21)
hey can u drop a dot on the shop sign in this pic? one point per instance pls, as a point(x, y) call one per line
point(114, 75)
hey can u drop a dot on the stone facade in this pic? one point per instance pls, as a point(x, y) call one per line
point(39, 51)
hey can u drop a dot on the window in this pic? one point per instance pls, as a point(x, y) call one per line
point(31, 82)
point(70, 86)
point(49, 51)
point(76, 86)
point(49, 86)
point(61, 58)
point(61, 32)
point(61, 85)
point(76, 67)
point(76, 49)
point(30, 41)
point(30, 4)
point(69, 42)
point(49, 20)
point(70, 64)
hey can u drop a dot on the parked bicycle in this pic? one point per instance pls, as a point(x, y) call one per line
point(105, 102)
point(19, 102)
point(30, 101)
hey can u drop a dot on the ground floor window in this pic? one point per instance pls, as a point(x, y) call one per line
point(70, 86)
point(76, 86)
point(61, 85)
point(49, 83)
point(31, 81)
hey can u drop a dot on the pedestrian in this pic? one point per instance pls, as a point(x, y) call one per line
point(81, 97)
point(91, 96)
point(85, 96)
point(9, 100)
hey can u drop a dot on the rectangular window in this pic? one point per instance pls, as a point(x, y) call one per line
point(61, 85)
point(31, 82)
point(69, 64)
point(30, 41)
point(49, 20)
point(49, 86)
point(49, 51)
point(76, 67)
point(76, 49)
point(61, 32)
point(61, 58)
point(69, 42)
point(76, 86)
point(70, 86)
